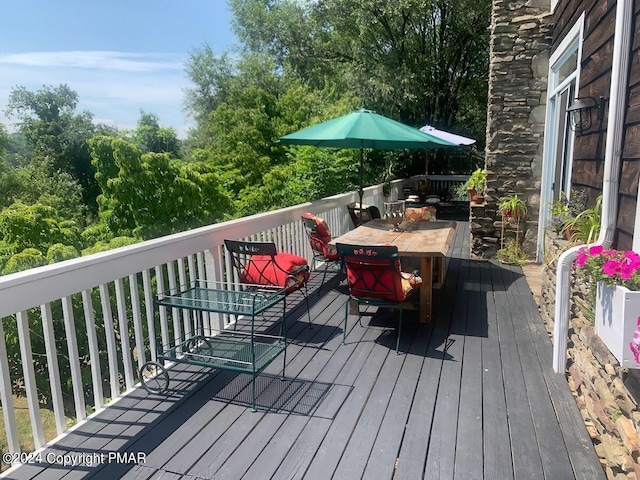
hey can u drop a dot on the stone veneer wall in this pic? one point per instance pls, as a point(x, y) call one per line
point(519, 63)
point(596, 379)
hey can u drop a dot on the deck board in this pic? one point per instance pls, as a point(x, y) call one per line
point(472, 395)
point(495, 429)
point(468, 460)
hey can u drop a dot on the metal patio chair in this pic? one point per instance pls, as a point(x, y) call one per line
point(319, 237)
point(374, 278)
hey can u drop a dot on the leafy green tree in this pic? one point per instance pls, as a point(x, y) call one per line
point(4, 146)
point(35, 226)
point(31, 184)
point(155, 139)
point(58, 135)
point(24, 260)
point(210, 76)
point(18, 151)
point(59, 252)
point(147, 195)
point(419, 61)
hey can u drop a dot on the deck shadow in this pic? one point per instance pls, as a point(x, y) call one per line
point(276, 395)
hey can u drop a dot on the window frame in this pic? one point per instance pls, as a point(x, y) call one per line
point(571, 43)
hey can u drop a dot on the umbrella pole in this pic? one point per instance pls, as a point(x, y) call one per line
point(361, 191)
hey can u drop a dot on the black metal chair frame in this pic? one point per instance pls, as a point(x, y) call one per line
point(378, 261)
point(241, 252)
point(311, 228)
point(371, 213)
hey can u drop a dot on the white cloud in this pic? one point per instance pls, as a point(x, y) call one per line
point(124, 61)
point(113, 86)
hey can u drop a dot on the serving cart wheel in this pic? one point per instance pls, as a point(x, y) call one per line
point(154, 377)
point(199, 345)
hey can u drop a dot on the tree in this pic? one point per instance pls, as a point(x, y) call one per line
point(36, 226)
point(420, 61)
point(147, 195)
point(30, 185)
point(155, 139)
point(58, 136)
point(4, 146)
point(210, 76)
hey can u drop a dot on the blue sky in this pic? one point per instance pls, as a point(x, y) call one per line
point(119, 56)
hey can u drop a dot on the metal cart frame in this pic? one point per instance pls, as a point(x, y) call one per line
point(239, 351)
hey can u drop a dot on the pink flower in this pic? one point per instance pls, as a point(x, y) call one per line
point(616, 267)
point(634, 345)
point(595, 250)
point(611, 268)
point(626, 271)
point(581, 258)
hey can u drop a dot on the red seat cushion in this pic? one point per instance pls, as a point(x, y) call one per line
point(321, 225)
point(319, 241)
point(380, 282)
point(282, 270)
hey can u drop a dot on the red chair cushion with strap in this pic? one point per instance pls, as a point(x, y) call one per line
point(320, 239)
point(321, 225)
point(381, 282)
point(282, 270)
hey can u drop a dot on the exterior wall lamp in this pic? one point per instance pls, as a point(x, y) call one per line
point(581, 113)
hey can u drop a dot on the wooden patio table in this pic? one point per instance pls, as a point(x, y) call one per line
point(429, 241)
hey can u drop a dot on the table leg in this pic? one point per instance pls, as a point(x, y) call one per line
point(426, 290)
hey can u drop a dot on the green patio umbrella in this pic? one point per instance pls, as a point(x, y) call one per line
point(364, 129)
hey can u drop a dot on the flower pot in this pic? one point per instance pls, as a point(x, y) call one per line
point(472, 192)
point(477, 198)
point(567, 233)
point(617, 311)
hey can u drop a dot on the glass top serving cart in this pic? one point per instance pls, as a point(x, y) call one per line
point(244, 350)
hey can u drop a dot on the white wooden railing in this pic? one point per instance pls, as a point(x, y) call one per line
point(113, 294)
point(448, 183)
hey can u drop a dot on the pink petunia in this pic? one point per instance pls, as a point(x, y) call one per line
point(611, 268)
point(581, 258)
point(626, 271)
point(595, 250)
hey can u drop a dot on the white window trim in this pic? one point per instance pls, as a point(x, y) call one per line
point(576, 34)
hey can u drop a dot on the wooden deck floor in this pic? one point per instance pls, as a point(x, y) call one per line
point(471, 395)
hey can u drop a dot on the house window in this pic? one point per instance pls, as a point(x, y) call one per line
point(564, 75)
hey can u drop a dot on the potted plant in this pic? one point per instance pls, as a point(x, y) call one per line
point(564, 210)
point(513, 207)
point(511, 253)
point(585, 226)
point(615, 275)
point(474, 184)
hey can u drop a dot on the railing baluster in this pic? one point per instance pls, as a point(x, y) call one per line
point(184, 284)
point(137, 319)
point(94, 352)
point(175, 313)
point(123, 323)
point(164, 326)
point(6, 395)
point(112, 352)
point(30, 386)
point(200, 280)
point(74, 357)
point(148, 305)
point(52, 367)
point(193, 277)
